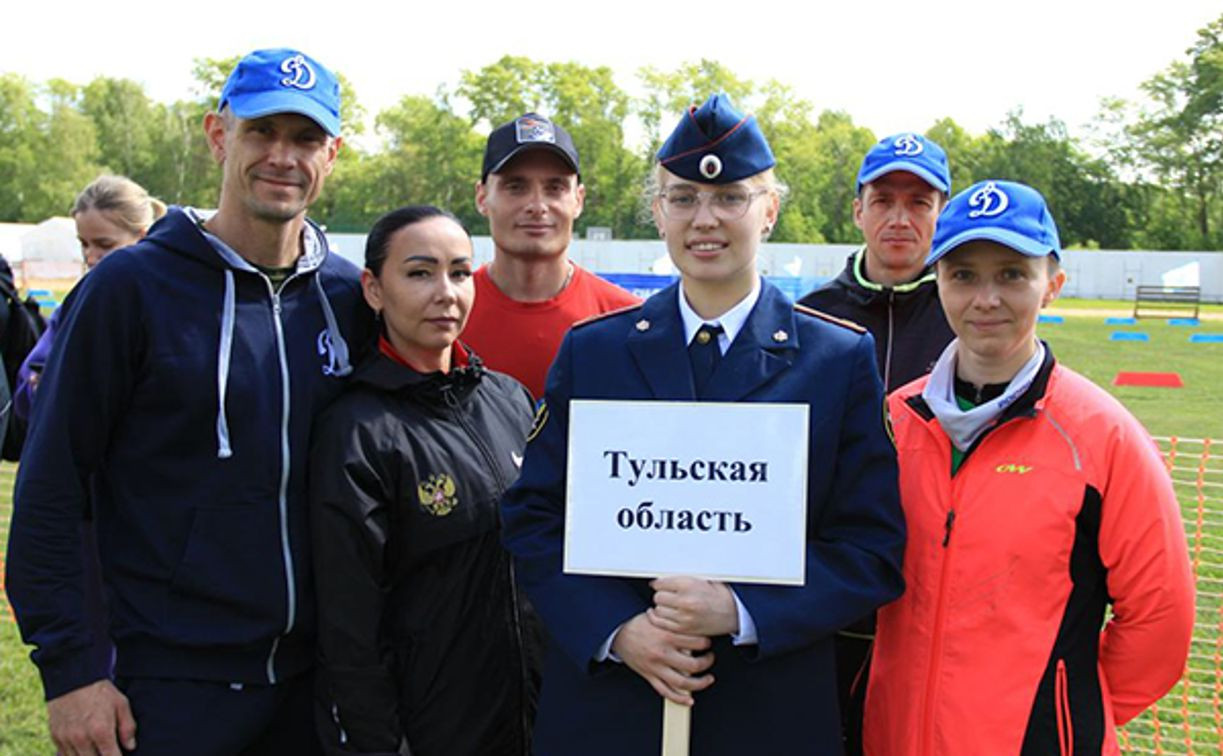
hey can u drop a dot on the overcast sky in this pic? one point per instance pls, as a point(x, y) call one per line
point(892, 66)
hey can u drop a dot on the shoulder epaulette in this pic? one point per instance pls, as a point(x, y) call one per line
point(830, 318)
point(601, 315)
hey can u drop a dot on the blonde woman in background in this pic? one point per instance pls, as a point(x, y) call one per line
point(112, 212)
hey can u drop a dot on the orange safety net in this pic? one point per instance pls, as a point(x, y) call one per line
point(1189, 719)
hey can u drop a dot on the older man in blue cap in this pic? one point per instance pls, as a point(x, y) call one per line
point(887, 288)
point(178, 405)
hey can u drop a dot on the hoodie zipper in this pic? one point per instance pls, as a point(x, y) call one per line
point(283, 492)
point(502, 484)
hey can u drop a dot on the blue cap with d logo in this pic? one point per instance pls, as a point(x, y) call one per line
point(716, 144)
point(906, 152)
point(1006, 212)
point(282, 80)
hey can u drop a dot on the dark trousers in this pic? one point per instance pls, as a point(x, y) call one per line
point(189, 717)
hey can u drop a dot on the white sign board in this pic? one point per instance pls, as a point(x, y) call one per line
point(709, 489)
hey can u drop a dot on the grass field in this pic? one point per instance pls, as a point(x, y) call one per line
point(1081, 342)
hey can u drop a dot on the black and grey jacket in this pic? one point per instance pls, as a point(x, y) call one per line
point(907, 321)
point(421, 638)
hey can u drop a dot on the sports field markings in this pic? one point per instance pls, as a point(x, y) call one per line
point(1153, 380)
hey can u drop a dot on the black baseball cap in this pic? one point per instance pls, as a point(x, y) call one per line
point(527, 132)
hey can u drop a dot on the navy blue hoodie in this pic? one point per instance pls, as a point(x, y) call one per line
point(177, 402)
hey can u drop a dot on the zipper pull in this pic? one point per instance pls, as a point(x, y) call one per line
point(448, 395)
point(947, 527)
point(276, 303)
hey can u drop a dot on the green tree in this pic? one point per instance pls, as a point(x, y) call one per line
point(46, 156)
point(786, 121)
point(1175, 139)
point(20, 124)
point(428, 155)
point(127, 123)
point(838, 147)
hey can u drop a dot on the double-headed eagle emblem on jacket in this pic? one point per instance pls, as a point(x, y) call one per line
point(437, 495)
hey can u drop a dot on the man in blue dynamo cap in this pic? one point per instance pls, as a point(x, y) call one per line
point(888, 288)
point(178, 403)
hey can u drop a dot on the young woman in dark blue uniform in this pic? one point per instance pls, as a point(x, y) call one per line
point(755, 661)
point(420, 633)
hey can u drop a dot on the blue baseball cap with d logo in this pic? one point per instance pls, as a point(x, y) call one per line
point(283, 80)
point(906, 152)
point(1006, 212)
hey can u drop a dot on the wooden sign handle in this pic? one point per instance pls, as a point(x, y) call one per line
point(676, 728)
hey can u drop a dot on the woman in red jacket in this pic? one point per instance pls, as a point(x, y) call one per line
point(1034, 501)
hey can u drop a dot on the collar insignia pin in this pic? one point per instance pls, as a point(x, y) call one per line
point(780, 336)
point(643, 325)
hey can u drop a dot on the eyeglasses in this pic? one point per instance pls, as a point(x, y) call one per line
point(731, 203)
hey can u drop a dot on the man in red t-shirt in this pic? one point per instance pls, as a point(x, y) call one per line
point(527, 297)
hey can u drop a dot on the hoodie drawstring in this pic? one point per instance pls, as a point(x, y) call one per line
point(224, 451)
point(338, 359)
point(340, 366)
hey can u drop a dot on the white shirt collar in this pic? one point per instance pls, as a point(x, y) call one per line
point(731, 321)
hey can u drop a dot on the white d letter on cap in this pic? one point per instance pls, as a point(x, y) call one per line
point(989, 201)
point(301, 75)
point(908, 144)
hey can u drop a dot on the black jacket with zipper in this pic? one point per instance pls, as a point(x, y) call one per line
point(907, 320)
point(421, 635)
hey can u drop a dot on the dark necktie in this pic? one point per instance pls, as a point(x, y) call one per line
point(704, 353)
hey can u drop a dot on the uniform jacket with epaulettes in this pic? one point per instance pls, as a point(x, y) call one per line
point(776, 697)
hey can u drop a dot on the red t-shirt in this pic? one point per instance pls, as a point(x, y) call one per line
point(521, 338)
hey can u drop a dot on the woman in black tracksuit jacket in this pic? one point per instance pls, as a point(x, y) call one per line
point(421, 638)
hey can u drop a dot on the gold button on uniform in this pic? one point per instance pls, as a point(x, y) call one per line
point(703, 337)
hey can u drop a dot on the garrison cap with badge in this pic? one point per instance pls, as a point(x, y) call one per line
point(1005, 212)
point(909, 152)
point(716, 144)
point(283, 80)
point(530, 131)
